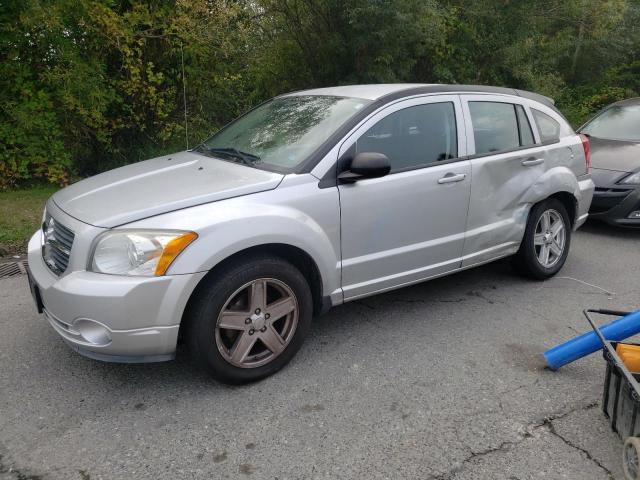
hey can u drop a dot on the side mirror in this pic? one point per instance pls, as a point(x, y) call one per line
point(366, 165)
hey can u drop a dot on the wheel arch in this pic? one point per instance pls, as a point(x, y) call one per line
point(302, 260)
point(570, 202)
point(559, 183)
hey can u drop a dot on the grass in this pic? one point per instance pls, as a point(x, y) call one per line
point(20, 216)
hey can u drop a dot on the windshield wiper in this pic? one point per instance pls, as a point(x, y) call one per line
point(247, 158)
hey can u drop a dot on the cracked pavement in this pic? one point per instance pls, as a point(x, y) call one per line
point(442, 380)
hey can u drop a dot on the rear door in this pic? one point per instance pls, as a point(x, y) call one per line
point(506, 160)
point(408, 225)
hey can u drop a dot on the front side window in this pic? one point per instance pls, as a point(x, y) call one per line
point(414, 136)
point(282, 133)
point(549, 129)
point(620, 122)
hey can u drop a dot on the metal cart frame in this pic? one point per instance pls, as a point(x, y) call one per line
point(625, 394)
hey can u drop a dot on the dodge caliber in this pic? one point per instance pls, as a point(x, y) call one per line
point(310, 200)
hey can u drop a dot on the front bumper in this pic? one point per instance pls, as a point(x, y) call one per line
point(109, 317)
point(614, 207)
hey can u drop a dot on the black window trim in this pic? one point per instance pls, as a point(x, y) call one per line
point(421, 165)
point(346, 156)
point(510, 150)
point(330, 178)
point(515, 107)
point(515, 111)
point(537, 144)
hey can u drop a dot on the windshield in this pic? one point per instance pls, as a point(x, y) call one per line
point(283, 132)
point(620, 122)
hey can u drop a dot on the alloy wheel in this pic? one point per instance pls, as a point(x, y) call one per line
point(549, 238)
point(630, 459)
point(257, 323)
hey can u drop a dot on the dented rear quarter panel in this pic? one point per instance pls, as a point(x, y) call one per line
point(503, 190)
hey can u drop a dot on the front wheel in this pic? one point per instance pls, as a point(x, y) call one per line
point(250, 319)
point(630, 456)
point(546, 241)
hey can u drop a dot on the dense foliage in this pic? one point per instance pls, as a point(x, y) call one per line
point(87, 85)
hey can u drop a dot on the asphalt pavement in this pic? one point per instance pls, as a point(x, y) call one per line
point(442, 380)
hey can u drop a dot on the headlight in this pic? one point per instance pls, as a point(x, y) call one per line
point(146, 252)
point(633, 179)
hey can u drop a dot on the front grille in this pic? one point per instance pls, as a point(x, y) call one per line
point(612, 190)
point(57, 243)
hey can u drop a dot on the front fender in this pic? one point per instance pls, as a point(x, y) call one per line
point(228, 227)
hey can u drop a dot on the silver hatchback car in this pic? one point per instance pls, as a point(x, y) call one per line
point(310, 200)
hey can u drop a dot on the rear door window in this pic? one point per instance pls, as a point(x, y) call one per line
point(499, 127)
point(548, 128)
point(414, 136)
point(495, 127)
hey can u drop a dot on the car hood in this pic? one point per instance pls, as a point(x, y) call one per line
point(614, 155)
point(159, 185)
point(607, 178)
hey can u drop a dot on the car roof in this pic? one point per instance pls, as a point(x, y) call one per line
point(391, 91)
point(628, 101)
point(368, 92)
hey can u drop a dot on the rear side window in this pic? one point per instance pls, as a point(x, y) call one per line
point(548, 128)
point(495, 127)
point(526, 134)
point(415, 136)
point(499, 127)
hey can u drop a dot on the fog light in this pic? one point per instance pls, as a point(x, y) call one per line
point(93, 332)
point(635, 214)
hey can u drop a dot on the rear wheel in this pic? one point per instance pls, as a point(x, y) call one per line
point(630, 456)
point(250, 319)
point(546, 241)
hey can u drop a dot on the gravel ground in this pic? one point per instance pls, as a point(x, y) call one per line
point(442, 380)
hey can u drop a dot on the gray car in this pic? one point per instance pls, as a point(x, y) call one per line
point(614, 135)
point(310, 200)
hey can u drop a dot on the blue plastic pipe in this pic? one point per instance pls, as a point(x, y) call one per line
point(588, 343)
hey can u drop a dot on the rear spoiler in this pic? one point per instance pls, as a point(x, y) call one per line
point(550, 102)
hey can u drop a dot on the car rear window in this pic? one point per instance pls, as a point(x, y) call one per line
point(548, 128)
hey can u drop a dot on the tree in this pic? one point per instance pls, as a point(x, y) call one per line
point(86, 85)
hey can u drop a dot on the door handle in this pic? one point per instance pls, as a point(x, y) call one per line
point(530, 162)
point(452, 177)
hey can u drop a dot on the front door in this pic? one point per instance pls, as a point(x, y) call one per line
point(410, 224)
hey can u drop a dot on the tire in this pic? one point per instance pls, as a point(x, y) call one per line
point(239, 333)
point(630, 458)
point(530, 258)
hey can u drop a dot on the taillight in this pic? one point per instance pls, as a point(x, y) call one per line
point(587, 150)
